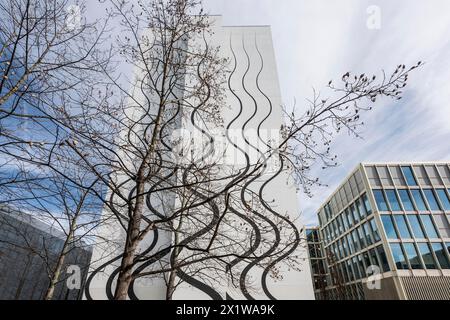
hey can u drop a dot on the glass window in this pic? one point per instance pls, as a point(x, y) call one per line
point(448, 247)
point(384, 261)
point(355, 214)
point(444, 199)
point(355, 240)
point(381, 201)
point(350, 270)
point(428, 224)
point(415, 226)
point(368, 233)
point(351, 244)
point(344, 268)
point(389, 227)
point(367, 260)
point(393, 200)
point(339, 224)
point(344, 221)
point(418, 199)
point(355, 267)
point(361, 266)
point(407, 172)
point(402, 226)
point(349, 217)
point(367, 204)
point(362, 238)
point(361, 209)
point(427, 256)
point(376, 235)
point(439, 251)
point(442, 225)
point(406, 200)
point(413, 256)
point(432, 202)
point(374, 258)
point(399, 256)
point(344, 246)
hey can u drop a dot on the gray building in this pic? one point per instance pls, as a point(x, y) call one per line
point(317, 260)
point(385, 233)
point(27, 248)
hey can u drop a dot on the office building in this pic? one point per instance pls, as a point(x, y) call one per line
point(386, 233)
point(28, 250)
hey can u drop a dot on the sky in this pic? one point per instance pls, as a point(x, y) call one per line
point(319, 40)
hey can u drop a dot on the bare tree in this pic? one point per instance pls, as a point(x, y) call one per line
point(71, 212)
point(47, 51)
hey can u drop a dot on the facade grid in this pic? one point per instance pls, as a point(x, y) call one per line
point(388, 223)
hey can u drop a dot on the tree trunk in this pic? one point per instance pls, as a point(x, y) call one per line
point(171, 285)
point(131, 244)
point(59, 264)
point(126, 268)
point(55, 277)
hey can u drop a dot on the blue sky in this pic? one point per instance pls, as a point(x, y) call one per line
point(319, 40)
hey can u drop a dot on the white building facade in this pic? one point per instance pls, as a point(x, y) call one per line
point(253, 119)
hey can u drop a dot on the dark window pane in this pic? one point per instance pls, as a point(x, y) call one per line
point(432, 202)
point(399, 256)
point(381, 202)
point(362, 267)
point(362, 238)
point(384, 261)
point(351, 244)
point(367, 259)
point(349, 217)
point(439, 251)
point(374, 258)
point(410, 180)
point(350, 270)
point(345, 246)
point(355, 213)
point(415, 226)
point(361, 209)
point(367, 204)
point(389, 227)
point(413, 256)
point(428, 224)
point(355, 240)
point(402, 227)
point(368, 233)
point(406, 200)
point(427, 256)
point(393, 201)
point(418, 199)
point(444, 199)
point(356, 268)
point(344, 221)
point(376, 235)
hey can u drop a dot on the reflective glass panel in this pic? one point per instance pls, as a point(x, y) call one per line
point(427, 256)
point(393, 201)
point(399, 256)
point(389, 227)
point(381, 201)
point(406, 200)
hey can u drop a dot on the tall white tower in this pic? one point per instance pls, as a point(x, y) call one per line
point(253, 95)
